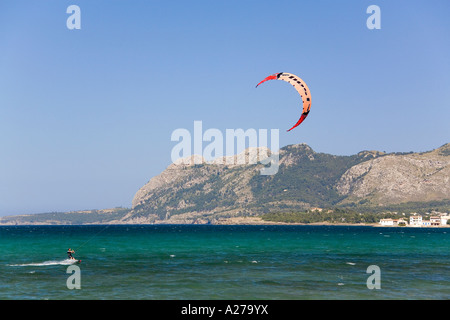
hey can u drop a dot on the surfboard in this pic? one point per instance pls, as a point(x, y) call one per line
point(73, 261)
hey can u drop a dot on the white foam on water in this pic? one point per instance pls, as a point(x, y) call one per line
point(65, 262)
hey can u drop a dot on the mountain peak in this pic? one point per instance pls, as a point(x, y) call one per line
point(251, 155)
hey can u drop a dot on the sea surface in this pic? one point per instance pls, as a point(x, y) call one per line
point(173, 262)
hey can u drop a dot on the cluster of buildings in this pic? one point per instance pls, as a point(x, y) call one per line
point(436, 220)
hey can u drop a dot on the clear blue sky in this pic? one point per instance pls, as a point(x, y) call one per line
point(86, 115)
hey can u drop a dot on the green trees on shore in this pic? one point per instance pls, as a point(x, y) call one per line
point(336, 215)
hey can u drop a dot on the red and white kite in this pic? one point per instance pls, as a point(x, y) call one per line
point(301, 88)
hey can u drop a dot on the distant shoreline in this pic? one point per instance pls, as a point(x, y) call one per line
point(256, 221)
point(259, 221)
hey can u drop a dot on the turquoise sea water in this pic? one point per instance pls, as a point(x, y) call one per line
point(224, 262)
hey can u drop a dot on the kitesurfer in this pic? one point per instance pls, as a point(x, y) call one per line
point(69, 253)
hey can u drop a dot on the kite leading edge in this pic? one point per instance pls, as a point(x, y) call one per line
point(301, 88)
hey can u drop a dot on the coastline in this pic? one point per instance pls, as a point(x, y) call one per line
point(260, 221)
point(223, 221)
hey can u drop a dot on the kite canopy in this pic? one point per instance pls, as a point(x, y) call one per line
point(301, 88)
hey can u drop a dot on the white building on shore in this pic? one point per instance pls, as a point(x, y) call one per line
point(434, 221)
point(415, 220)
point(393, 222)
point(387, 222)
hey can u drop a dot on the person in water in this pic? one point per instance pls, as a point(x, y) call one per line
point(69, 253)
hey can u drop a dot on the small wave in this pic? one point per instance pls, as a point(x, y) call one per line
point(46, 263)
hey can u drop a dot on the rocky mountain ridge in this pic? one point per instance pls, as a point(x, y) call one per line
point(186, 193)
point(197, 191)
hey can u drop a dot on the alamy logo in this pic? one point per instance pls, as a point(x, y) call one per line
point(374, 280)
point(374, 20)
point(74, 280)
point(191, 149)
point(74, 20)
